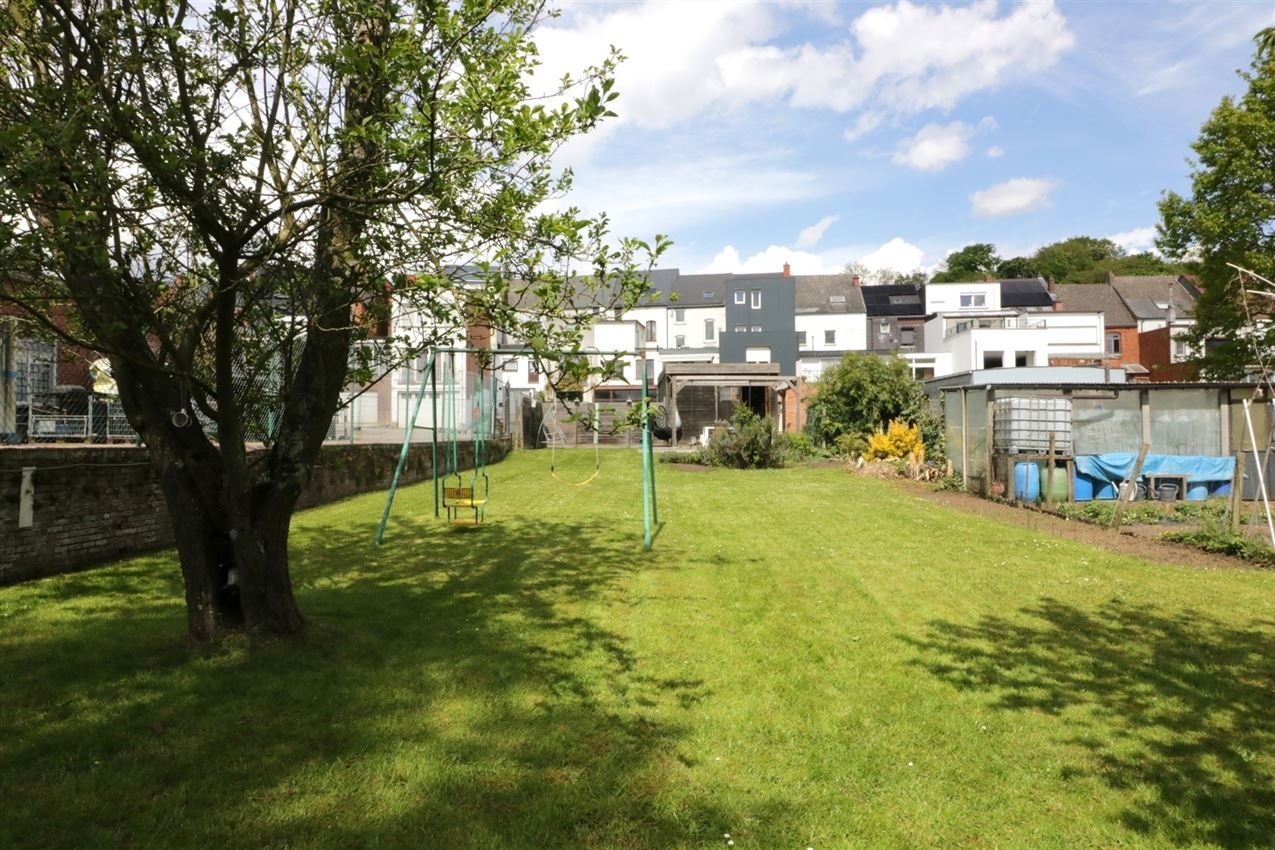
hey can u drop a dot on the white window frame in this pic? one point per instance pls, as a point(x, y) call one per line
point(830, 337)
point(679, 341)
point(755, 329)
point(801, 339)
point(904, 333)
point(710, 330)
point(679, 315)
point(756, 299)
point(1113, 349)
point(741, 296)
point(741, 329)
point(970, 300)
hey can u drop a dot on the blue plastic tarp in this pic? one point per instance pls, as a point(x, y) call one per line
point(1117, 466)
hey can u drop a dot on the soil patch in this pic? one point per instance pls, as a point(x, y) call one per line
point(1137, 541)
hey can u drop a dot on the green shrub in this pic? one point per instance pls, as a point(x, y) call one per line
point(851, 445)
point(750, 442)
point(693, 456)
point(1217, 538)
point(798, 448)
point(950, 483)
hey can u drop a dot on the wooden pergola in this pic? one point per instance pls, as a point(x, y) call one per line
point(678, 376)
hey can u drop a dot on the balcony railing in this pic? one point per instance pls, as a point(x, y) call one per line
point(1012, 323)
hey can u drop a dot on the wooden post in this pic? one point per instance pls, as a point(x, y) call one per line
point(1049, 475)
point(1132, 483)
point(965, 442)
point(672, 412)
point(991, 439)
point(1237, 488)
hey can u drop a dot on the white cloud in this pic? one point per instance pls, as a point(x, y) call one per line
point(935, 146)
point(995, 152)
point(683, 188)
point(810, 236)
point(684, 59)
point(1020, 195)
point(867, 122)
point(1137, 240)
point(770, 260)
point(897, 254)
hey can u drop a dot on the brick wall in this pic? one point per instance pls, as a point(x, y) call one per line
point(97, 503)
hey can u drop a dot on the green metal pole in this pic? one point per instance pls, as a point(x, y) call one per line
point(402, 456)
point(646, 475)
point(655, 506)
point(433, 429)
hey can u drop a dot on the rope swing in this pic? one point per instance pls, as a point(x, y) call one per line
point(595, 425)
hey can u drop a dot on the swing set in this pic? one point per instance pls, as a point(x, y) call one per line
point(464, 498)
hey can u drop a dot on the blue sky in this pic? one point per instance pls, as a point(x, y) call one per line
point(822, 133)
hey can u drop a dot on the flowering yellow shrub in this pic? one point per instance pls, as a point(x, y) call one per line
point(900, 440)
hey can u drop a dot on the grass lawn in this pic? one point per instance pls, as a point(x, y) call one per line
point(806, 659)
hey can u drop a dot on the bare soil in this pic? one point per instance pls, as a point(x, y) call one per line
point(1136, 541)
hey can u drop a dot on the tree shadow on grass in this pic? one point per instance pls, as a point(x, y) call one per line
point(453, 690)
point(1175, 708)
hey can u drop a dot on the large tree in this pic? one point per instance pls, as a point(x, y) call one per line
point(1229, 220)
point(972, 262)
point(862, 393)
point(229, 196)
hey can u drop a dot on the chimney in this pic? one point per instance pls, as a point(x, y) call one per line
point(856, 282)
point(1053, 293)
point(787, 270)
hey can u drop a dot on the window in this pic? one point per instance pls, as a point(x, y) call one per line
point(756, 299)
point(1180, 351)
point(707, 294)
point(973, 299)
point(533, 377)
point(510, 365)
point(679, 316)
point(761, 354)
point(741, 329)
point(650, 330)
point(679, 341)
point(830, 337)
point(907, 336)
point(801, 339)
point(883, 327)
point(1113, 344)
point(903, 299)
point(709, 330)
point(755, 329)
point(741, 296)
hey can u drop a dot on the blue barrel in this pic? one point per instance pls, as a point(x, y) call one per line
point(1082, 488)
point(1197, 492)
point(1221, 488)
point(1027, 481)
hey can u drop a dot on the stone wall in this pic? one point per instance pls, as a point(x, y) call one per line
point(96, 503)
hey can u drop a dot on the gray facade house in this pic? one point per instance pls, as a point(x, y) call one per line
point(896, 318)
point(760, 325)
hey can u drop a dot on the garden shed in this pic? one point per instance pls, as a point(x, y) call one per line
point(1090, 433)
